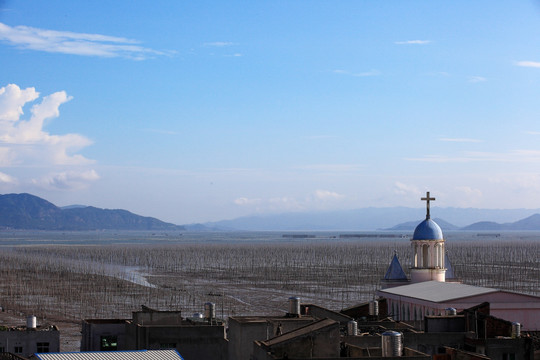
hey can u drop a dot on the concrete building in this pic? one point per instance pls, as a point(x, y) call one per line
point(324, 339)
point(428, 293)
point(29, 339)
point(415, 301)
point(194, 338)
point(319, 339)
point(245, 330)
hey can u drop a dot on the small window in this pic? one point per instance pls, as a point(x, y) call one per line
point(109, 343)
point(509, 356)
point(42, 347)
point(164, 346)
point(17, 349)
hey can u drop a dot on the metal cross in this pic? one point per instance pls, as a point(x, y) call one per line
point(427, 199)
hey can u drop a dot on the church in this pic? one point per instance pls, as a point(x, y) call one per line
point(431, 288)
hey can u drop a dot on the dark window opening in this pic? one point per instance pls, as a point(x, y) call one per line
point(509, 356)
point(109, 343)
point(42, 347)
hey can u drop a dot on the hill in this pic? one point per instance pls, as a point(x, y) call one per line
point(370, 219)
point(411, 225)
point(26, 211)
point(530, 223)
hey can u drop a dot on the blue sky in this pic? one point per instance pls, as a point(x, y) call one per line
point(199, 111)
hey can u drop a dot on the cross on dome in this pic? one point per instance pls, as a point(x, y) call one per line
point(427, 199)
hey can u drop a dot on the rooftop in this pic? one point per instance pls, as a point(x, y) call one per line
point(436, 291)
point(300, 332)
point(113, 355)
point(395, 271)
point(428, 230)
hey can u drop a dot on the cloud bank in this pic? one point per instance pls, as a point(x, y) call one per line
point(67, 42)
point(320, 199)
point(534, 64)
point(24, 143)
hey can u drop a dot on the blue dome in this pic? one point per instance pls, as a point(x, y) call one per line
point(428, 230)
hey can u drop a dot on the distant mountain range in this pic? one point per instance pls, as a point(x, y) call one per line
point(530, 223)
point(411, 225)
point(25, 211)
point(369, 219)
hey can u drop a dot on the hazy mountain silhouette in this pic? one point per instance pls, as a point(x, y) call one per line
point(25, 211)
point(411, 225)
point(369, 219)
point(530, 223)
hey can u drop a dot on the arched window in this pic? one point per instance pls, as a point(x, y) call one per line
point(425, 256)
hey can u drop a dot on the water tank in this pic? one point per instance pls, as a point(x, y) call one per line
point(516, 330)
point(450, 311)
point(209, 310)
point(392, 343)
point(374, 308)
point(294, 306)
point(31, 322)
point(352, 328)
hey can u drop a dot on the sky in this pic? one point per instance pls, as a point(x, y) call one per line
point(196, 111)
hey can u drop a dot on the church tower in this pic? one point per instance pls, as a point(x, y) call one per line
point(428, 250)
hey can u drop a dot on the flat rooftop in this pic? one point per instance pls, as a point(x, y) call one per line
point(436, 291)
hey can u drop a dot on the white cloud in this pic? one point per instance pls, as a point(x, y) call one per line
point(535, 64)
point(12, 100)
point(477, 79)
point(439, 74)
point(318, 200)
point(320, 137)
point(25, 142)
point(468, 195)
point(327, 195)
point(67, 42)
point(67, 180)
point(514, 156)
point(242, 201)
point(219, 44)
point(361, 74)
point(404, 189)
point(160, 131)
point(413, 42)
point(463, 140)
point(27, 137)
point(7, 179)
point(332, 167)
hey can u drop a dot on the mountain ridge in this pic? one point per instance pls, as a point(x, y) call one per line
point(370, 219)
point(26, 211)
